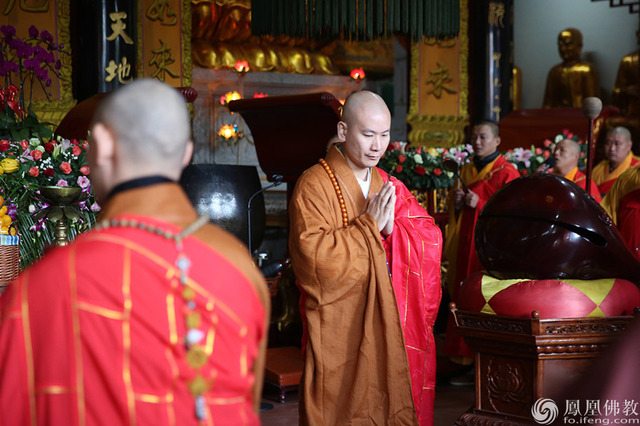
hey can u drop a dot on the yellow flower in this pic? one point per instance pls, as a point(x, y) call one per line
point(9, 165)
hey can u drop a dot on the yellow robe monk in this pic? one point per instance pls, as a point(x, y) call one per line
point(604, 177)
point(95, 333)
point(370, 334)
point(460, 247)
point(622, 203)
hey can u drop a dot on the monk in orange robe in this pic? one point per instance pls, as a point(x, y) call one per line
point(155, 317)
point(367, 258)
point(622, 203)
point(618, 159)
point(567, 154)
point(483, 177)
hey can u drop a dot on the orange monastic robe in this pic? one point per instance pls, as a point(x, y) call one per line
point(370, 358)
point(93, 334)
point(605, 179)
point(580, 179)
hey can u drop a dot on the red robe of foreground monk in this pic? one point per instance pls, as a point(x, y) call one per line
point(94, 333)
point(370, 358)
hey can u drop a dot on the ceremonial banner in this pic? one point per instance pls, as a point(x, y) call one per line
point(438, 89)
point(164, 49)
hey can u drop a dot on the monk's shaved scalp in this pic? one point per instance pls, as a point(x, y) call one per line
point(356, 101)
point(150, 120)
point(620, 130)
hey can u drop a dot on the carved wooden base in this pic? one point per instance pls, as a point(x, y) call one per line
point(473, 417)
point(520, 360)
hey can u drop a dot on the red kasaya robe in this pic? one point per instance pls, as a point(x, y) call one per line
point(580, 179)
point(93, 333)
point(460, 248)
point(605, 178)
point(370, 358)
point(622, 203)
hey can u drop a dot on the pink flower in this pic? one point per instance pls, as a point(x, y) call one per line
point(437, 172)
point(85, 145)
point(36, 154)
point(85, 170)
point(24, 144)
point(83, 182)
point(546, 154)
point(95, 207)
point(419, 150)
point(538, 150)
point(399, 168)
point(547, 143)
point(62, 182)
point(76, 150)
point(4, 145)
point(65, 167)
point(420, 170)
point(401, 158)
point(394, 145)
point(34, 171)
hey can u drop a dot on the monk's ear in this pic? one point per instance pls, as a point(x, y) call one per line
point(188, 152)
point(103, 146)
point(498, 140)
point(342, 130)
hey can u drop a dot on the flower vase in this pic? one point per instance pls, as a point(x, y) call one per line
point(61, 202)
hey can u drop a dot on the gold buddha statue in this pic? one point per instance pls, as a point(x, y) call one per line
point(572, 80)
point(626, 95)
point(221, 35)
point(626, 90)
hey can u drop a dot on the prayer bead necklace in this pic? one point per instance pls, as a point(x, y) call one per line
point(336, 186)
point(196, 355)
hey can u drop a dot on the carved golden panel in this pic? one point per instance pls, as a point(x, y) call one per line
point(439, 89)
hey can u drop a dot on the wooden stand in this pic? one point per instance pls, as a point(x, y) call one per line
point(284, 369)
point(519, 360)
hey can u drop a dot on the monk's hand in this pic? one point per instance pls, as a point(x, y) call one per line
point(391, 208)
point(458, 198)
point(471, 199)
point(381, 205)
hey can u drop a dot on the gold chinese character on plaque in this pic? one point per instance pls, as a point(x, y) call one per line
point(161, 9)
point(496, 14)
point(438, 78)
point(28, 6)
point(118, 26)
point(121, 70)
point(161, 60)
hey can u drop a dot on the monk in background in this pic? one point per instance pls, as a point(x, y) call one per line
point(618, 159)
point(622, 203)
point(572, 80)
point(487, 173)
point(155, 317)
point(367, 258)
point(567, 155)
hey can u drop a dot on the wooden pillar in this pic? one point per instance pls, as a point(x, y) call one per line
point(490, 58)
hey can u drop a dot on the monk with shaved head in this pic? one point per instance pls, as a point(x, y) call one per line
point(366, 256)
point(154, 317)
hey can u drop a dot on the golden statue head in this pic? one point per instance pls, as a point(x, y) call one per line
point(570, 44)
